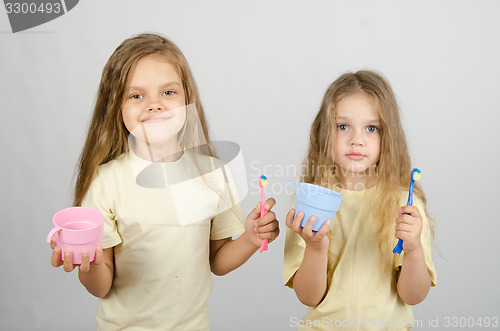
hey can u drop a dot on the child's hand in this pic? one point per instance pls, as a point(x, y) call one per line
point(315, 240)
point(67, 264)
point(266, 227)
point(409, 228)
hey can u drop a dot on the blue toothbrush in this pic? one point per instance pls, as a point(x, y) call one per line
point(415, 175)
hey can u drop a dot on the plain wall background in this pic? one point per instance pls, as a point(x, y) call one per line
point(262, 68)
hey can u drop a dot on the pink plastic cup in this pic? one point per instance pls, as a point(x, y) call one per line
point(77, 229)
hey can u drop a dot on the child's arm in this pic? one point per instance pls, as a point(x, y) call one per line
point(310, 280)
point(227, 255)
point(414, 279)
point(96, 276)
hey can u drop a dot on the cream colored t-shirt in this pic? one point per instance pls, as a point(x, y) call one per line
point(161, 237)
point(357, 298)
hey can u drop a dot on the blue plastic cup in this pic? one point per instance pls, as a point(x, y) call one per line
point(316, 200)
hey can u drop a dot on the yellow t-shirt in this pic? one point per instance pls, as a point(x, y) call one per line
point(161, 238)
point(357, 298)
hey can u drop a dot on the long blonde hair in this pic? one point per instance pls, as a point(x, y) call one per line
point(394, 166)
point(107, 136)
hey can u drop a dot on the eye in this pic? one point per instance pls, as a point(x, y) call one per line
point(372, 129)
point(136, 96)
point(342, 127)
point(169, 92)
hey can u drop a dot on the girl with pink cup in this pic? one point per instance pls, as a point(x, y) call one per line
point(168, 221)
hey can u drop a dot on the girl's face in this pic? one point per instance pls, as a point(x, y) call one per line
point(357, 144)
point(154, 109)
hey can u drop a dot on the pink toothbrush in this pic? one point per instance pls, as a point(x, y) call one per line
point(263, 211)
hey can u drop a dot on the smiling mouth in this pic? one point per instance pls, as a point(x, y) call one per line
point(156, 119)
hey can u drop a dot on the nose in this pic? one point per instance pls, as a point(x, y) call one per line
point(155, 106)
point(356, 139)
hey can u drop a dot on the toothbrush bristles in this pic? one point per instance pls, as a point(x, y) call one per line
point(263, 180)
point(415, 174)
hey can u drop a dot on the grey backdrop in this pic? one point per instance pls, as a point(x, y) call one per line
point(262, 68)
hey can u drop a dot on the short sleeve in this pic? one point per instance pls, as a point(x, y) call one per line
point(295, 247)
point(229, 220)
point(97, 198)
point(426, 239)
point(294, 254)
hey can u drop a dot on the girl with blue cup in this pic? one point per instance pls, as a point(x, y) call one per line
point(345, 271)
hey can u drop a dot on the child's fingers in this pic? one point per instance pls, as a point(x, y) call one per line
point(270, 235)
point(255, 213)
point(307, 230)
point(289, 218)
point(68, 265)
point(408, 231)
point(296, 222)
point(404, 227)
point(99, 255)
point(56, 257)
point(324, 229)
point(412, 210)
point(404, 235)
point(268, 218)
point(408, 219)
point(53, 242)
point(269, 204)
point(85, 265)
point(274, 234)
point(269, 227)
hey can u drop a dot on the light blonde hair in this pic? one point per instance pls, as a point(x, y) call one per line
point(107, 136)
point(394, 165)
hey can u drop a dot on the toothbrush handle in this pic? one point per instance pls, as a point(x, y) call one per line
point(263, 212)
point(263, 245)
point(399, 247)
